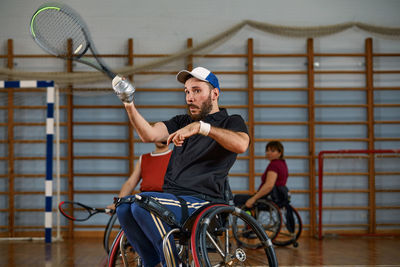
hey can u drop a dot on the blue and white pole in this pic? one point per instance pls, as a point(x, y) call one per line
point(49, 85)
point(49, 164)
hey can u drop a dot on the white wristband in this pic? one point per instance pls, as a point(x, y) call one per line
point(204, 128)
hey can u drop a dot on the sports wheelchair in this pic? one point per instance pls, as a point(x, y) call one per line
point(279, 219)
point(204, 239)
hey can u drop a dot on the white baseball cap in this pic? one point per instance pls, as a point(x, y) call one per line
point(200, 73)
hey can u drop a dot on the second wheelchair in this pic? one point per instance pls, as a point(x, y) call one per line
point(282, 223)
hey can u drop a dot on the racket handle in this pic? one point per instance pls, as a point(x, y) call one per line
point(123, 89)
point(110, 211)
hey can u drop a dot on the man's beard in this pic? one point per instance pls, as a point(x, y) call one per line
point(205, 109)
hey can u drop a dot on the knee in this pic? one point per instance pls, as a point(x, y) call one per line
point(138, 212)
point(123, 211)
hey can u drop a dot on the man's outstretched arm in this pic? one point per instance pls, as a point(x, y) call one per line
point(148, 133)
point(157, 132)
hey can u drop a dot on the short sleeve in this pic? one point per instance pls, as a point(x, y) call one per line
point(274, 166)
point(176, 123)
point(237, 124)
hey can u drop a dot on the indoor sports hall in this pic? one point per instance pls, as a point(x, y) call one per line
point(322, 77)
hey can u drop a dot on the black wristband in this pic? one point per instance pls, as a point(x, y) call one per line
point(117, 200)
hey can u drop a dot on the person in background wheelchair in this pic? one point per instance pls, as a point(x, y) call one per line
point(273, 180)
point(207, 141)
point(150, 170)
point(270, 205)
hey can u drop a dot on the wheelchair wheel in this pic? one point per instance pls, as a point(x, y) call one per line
point(287, 235)
point(267, 215)
point(122, 253)
point(108, 237)
point(214, 245)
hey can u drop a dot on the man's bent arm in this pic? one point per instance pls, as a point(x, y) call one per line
point(130, 184)
point(132, 181)
point(237, 142)
point(148, 133)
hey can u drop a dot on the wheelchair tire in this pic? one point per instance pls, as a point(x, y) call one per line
point(267, 214)
point(286, 237)
point(115, 255)
point(215, 247)
point(108, 237)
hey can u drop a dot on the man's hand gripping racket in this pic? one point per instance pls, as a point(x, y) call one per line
point(123, 89)
point(54, 24)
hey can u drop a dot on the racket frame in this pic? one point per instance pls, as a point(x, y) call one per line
point(100, 66)
point(92, 211)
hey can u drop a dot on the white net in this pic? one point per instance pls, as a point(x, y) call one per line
point(351, 181)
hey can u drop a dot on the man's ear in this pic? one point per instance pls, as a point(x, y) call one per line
point(215, 94)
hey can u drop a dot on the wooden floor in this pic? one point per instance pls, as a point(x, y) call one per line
point(332, 252)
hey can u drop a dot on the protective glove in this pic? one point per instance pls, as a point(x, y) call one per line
point(123, 89)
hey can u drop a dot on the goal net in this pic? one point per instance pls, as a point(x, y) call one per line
point(358, 192)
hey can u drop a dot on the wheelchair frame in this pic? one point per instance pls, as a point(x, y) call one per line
point(273, 220)
point(286, 237)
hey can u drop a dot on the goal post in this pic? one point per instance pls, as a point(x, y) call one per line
point(351, 154)
point(51, 110)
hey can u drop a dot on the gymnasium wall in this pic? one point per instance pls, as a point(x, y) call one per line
point(278, 109)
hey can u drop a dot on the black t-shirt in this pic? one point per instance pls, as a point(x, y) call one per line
point(201, 165)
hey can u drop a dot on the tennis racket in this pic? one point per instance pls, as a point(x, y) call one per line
point(76, 211)
point(52, 25)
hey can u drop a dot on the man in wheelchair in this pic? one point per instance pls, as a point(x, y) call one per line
point(207, 141)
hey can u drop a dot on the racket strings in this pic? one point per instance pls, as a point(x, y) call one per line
point(54, 27)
